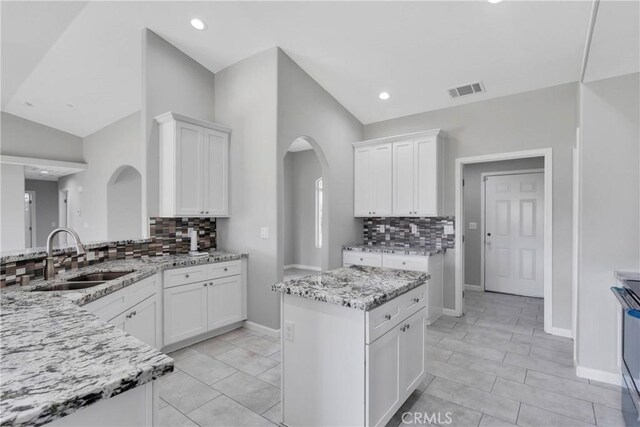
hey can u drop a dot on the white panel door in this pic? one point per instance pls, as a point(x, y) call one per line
point(362, 191)
point(383, 371)
point(216, 173)
point(426, 177)
point(225, 302)
point(185, 312)
point(143, 322)
point(403, 176)
point(412, 353)
point(189, 169)
point(514, 228)
point(382, 177)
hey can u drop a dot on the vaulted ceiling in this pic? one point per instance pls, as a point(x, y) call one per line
point(78, 64)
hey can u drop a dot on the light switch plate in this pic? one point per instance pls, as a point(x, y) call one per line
point(264, 232)
point(448, 229)
point(473, 226)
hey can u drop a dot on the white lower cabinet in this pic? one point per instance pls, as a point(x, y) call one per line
point(192, 309)
point(142, 321)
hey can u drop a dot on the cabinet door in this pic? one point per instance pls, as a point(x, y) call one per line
point(185, 312)
point(143, 322)
point(383, 378)
point(362, 182)
point(216, 172)
point(426, 176)
point(403, 176)
point(225, 302)
point(412, 353)
point(381, 175)
point(189, 169)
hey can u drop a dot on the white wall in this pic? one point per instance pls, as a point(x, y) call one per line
point(47, 214)
point(538, 119)
point(301, 171)
point(306, 109)
point(609, 212)
point(105, 151)
point(171, 81)
point(11, 207)
point(24, 138)
point(124, 204)
point(246, 97)
point(473, 210)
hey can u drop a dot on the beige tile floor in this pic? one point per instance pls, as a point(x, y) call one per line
point(493, 367)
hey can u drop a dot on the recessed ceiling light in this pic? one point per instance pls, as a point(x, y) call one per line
point(494, 1)
point(198, 24)
point(384, 96)
point(44, 172)
point(70, 105)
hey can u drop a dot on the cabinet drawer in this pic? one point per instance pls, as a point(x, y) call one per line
point(182, 276)
point(413, 301)
point(223, 269)
point(141, 290)
point(382, 319)
point(113, 304)
point(361, 258)
point(406, 262)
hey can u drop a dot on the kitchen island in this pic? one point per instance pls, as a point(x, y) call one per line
point(352, 345)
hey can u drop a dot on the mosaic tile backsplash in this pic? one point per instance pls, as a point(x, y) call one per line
point(397, 232)
point(167, 236)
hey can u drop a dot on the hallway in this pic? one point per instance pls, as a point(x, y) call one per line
point(495, 366)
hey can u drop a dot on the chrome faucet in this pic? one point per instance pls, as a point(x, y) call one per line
point(50, 271)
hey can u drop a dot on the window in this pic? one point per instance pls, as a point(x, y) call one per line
point(319, 213)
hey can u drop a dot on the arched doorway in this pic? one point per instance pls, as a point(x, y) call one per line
point(124, 204)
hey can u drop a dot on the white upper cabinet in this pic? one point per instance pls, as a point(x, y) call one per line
point(194, 167)
point(372, 183)
point(399, 176)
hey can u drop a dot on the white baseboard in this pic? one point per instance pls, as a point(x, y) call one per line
point(261, 328)
point(303, 267)
point(561, 332)
point(597, 375)
point(473, 288)
point(449, 312)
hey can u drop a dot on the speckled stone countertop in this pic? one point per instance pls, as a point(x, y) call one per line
point(358, 287)
point(55, 357)
point(420, 251)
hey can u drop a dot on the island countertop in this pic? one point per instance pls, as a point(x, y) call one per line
point(357, 287)
point(56, 357)
point(396, 250)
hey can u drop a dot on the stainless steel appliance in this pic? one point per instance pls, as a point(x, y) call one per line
point(629, 297)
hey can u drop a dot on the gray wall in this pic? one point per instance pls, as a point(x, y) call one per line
point(306, 109)
point(246, 101)
point(171, 81)
point(106, 151)
point(124, 204)
point(609, 235)
point(11, 207)
point(473, 209)
point(301, 170)
point(46, 207)
point(24, 138)
point(538, 119)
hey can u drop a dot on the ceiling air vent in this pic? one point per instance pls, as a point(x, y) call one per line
point(468, 89)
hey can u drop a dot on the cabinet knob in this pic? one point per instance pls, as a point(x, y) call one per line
point(361, 259)
point(226, 269)
point(207, 212)
point(134, 313)
point(416, 299)
point(403, 262)
point(204, 284)
point(186, 275)
point(387, 316)
point(407, 326)
point(201, 212)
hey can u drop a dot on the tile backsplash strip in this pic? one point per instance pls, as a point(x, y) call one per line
point(397, 232)
point(167, 236)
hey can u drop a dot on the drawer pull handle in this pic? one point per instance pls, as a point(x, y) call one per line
point(407, 326)
point(416, 299)
point(387, 316)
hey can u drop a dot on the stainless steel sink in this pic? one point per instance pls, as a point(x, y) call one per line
point(102, 276)
point(70, 286)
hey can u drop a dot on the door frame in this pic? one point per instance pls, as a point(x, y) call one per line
point(483, 205)
point(32, 218)
point(547, 154)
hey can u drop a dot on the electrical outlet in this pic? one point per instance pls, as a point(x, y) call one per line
point(264, 232)
point(473, 226)
point(381, 228)
point(289, 331)
point(414, 229)
point(448, 229)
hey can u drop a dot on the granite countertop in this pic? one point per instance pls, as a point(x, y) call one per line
point(55, 357)
point(627, 275)
point(358, 287)
point(410, 250)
